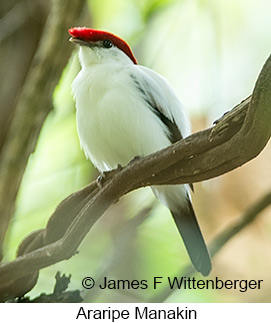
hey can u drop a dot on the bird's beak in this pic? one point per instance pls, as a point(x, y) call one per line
point(79, 41)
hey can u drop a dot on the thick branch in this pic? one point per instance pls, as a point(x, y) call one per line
point(237, 137)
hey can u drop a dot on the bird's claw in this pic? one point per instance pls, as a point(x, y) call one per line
point(134, 159)
point(107, 175)
point(100, 179)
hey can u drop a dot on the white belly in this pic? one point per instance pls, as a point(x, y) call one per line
point(114, 123)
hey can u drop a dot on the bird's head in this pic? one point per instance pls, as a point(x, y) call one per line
point(98, 47)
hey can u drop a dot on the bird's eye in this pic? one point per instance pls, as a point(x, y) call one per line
point(107, 43)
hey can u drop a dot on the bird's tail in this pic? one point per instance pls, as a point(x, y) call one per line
point(177, 199)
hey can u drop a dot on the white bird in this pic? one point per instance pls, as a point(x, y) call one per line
point(126, 110)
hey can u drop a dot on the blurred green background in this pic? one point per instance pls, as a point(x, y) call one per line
point(211, 51)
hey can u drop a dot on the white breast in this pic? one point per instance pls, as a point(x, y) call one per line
point(113, 120)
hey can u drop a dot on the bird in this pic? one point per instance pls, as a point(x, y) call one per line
point(125, 110)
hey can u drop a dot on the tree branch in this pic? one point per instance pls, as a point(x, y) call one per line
point(34, 104)
point(236, 138)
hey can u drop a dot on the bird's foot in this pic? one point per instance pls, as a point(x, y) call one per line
point(100, 179)
point(134, 159)
point(104, 176)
